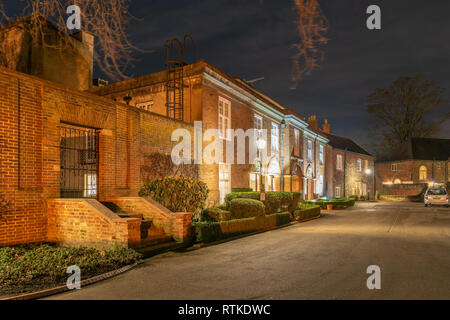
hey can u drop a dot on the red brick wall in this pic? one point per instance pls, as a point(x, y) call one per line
point(30, 157)
point(74, 222)
point(21, 160)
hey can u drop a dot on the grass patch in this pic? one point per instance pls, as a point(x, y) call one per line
point(35, 267)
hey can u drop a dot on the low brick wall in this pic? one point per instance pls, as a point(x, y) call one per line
point(73, 222)
point(403, 189)
point(176, 224)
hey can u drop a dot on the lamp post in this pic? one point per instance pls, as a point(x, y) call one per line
point(282, 126)
point(261, 145)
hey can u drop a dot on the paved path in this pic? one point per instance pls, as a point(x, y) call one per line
point(325, 258)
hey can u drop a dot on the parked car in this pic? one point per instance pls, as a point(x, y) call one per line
point(437, 196)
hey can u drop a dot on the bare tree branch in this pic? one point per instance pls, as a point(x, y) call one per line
point(105, 19)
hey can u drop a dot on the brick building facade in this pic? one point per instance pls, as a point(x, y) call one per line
point(422, 161)
point(349, 168)
point(68, 157)
point(207, 91)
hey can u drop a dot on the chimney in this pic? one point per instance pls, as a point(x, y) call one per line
point(312, 121)
point(326, 126)
point(85, 47)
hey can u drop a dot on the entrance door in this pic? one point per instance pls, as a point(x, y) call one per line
point(79, 162)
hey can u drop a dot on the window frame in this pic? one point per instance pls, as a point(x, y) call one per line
point(394, 165)
point(337, 191)
point(274, 138)
point(339, 162)
point(321, 154)
point(296, 142)
point(359, 165)
point(224, 116)
point(309, 150)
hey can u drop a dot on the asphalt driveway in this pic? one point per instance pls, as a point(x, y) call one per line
point(325, 258)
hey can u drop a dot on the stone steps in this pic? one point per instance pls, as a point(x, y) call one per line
point(150, 234)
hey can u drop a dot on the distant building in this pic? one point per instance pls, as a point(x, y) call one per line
point(349, 167)
point(418, 162)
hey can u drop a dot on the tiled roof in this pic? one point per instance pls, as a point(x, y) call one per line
point(344, 143)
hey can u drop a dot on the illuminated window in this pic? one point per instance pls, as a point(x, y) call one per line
point(339, 165)
point(394, 167)
point(296, 142)
point(309, 151)
point(397, 181)
point(423, 173)
point(90, 185)
point(337, 192)
point(274, 133)
point(224, 118)
point(321, 154)
point(359, 165)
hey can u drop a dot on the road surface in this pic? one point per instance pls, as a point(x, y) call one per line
point(326, 258)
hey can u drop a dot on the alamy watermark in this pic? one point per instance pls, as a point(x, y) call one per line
point(191, 151)
point(74, 280)
point(374, 280)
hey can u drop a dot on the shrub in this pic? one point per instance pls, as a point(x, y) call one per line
point(274, 202)
point(241, 195)
point(283, 218)
point(177, 194)
point(214, 231)
point(245, 208)
point(241, 190)
point(215, 214)
point(306, 211)
point(39, 266)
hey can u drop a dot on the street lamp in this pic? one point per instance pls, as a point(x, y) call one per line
point(261, 145)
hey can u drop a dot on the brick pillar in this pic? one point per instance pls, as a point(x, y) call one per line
point(181, 224)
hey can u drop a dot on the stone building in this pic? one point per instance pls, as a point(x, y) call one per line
point(349, 168)
point(413, 166)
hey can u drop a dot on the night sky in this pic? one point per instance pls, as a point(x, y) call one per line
point(247, 39)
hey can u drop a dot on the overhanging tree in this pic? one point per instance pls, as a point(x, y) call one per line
point(402, 111)
point(106, 20)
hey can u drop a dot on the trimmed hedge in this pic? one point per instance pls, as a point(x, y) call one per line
point(306, 211)
point(246, 208)
point(339, 203)
point(241, 189)
point(214, 231)
point(274, 202)
point(215, 214)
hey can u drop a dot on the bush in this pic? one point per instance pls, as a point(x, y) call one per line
point(339, 203)
point(241, 190)
point(215, 214)
point(214, 231)
point(40, 266)
point(177, 194)
point(246, 208)
point(274, 202)
point(306, 211)
point(241, 195)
